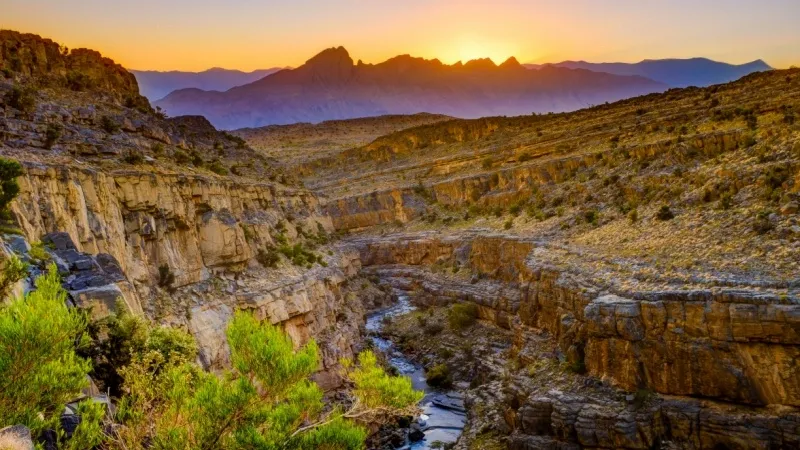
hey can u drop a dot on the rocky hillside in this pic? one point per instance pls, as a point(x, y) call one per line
point(297, 144)
point(639, 261)
point(332, 86)
point(183, 223)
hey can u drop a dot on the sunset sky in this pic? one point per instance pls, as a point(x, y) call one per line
point(253, 34)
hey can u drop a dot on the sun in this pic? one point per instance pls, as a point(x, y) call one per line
point(470, 48)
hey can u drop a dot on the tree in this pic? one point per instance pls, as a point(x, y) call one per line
point(9, 171)
point(265, 401)
point(39, 370)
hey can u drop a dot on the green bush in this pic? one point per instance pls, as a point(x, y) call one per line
point(9, 171)
point(462, 315)
point(181, 157)
point(664, 213)
point(264, 401)
point(268, 257)
point(39, 370)
point(165, 277)
point(23, 99)
point(78, 81)
point(218, 168)
point(52, 134)
point(439, 376)
point(109, 125)
point(133, 157)
point(14, 269)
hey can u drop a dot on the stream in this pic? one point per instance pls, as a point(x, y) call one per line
point(444, 409)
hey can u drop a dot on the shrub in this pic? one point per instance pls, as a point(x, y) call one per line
point(9, 171)
point(109, 125)
point(118, 339)
point(462, 315)
point(165, 277)
point(268, 257)
point(218, 168)
point(633, 215)
point(134, 157)
point(52, 134)
point(590, 216)
point(39, 370)
point(439, 376)
point(14, 269)
point(264, 401)
point(78, 81)
point(157, 149)
point(524, 157)
point(509, 224)
point(433, 328)
point(762, 224)
point(23, 99)
point(181, 157)
point(664, 213)
point(487, 163)
point(38, 254)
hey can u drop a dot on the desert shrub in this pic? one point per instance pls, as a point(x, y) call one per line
point(664, 213)
point(52, 134)
point(134, 157)
point(590, 216)
point(509, 224)
point(268, 257)
point(524, 157)
point(218, 168)
point(196, 158)
point(165, 277)
point(21, 98)
point(633, 215)
point(487, 163)
point(433, 328)
point(181, 157)
point(299, 255)
point(462, 315)
point(78, 81)
point(761, 223)
point(9, 171)
point(39, 370)
point(109, 124)
point(157, 149)
point(439, 376)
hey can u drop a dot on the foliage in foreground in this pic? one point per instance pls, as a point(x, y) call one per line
point(265, 401)
point(39, 369)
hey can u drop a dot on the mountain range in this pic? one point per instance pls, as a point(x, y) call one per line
point(331, 86)
point(155, 85)
point(698, 72)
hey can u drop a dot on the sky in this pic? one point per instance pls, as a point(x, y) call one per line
point(195, 35)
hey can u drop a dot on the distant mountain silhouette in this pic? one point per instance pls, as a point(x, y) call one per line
point(674, 72)
point(331, 86)
point(155, 85)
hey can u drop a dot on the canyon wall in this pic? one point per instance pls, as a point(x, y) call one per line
point(206, 232)
point(730, 347)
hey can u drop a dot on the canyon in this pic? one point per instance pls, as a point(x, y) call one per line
point(605, 320)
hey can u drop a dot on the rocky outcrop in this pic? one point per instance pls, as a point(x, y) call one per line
point(191, 224)
point(30, 55)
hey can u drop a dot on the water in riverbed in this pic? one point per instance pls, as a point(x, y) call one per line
point(445, 409)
